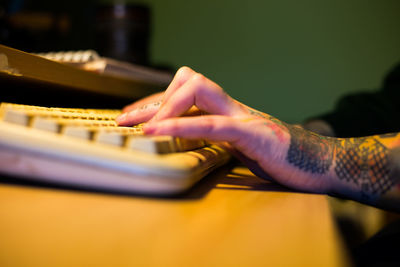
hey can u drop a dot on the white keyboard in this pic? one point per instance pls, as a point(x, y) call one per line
point(85, 148)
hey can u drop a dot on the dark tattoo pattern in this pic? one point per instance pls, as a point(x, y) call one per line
point(308, 151)
point(364, 162)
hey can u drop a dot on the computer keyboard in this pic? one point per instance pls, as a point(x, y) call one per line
point(86, 148)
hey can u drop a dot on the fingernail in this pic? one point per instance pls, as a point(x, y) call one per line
point(121, 117)
point(149, 128)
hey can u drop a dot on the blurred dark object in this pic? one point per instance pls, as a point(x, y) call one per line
point(367, 113)
point(380, 250)
point(45, 25)
point(32, 29)
point(123, 32)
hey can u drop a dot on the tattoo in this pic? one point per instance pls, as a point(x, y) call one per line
point(277, 130)
point(150, 105)
point(308, 151)
point(258, 113)
point(277, 127)
point(145, 107)
point(366, 163)
point(370, 164)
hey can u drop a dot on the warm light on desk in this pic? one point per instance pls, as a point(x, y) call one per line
point(238, 226)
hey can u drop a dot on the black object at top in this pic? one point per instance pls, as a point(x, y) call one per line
point(368, 113)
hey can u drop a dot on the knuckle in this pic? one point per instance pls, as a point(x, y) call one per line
point(199, 78)
point(184, 70)
point(201, 87)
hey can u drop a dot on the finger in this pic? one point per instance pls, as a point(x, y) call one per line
point(138, 115)
point(200, 92)
point(157, 97)
point(144, 109)
point(146, 112)
point(180, 78)
point(211, 127)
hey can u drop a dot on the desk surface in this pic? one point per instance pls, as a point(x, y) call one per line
point(240, 220)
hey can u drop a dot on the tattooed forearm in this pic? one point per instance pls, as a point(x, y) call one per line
point(366, 163)
point(368, 167)
point(308, 151)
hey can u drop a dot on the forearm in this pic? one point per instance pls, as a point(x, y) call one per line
point(365, 169)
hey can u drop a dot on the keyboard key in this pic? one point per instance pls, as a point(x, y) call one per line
point(116, 136)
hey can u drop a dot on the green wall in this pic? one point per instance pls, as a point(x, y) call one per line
point(289, 58)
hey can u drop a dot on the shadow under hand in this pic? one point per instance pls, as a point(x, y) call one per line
point(233, 177)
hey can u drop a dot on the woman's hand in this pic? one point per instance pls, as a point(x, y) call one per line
point(258, 139)
point(366, 169)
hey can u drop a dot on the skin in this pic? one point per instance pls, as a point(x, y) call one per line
point(365, 169)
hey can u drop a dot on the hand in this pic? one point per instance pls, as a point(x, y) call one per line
point(154, 98)
point(260, 140)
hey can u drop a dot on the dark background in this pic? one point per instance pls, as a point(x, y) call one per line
point(292, 59)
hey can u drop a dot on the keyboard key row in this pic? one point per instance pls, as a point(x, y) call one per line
point(94, 127)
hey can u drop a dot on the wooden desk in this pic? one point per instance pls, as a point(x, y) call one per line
point(240, 220)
